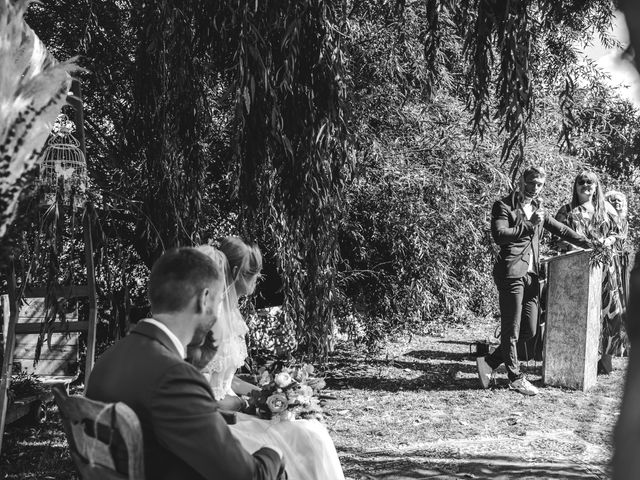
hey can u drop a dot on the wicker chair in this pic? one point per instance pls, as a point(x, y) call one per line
point(105, 439)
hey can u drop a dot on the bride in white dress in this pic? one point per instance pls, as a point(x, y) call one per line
point(308, 450)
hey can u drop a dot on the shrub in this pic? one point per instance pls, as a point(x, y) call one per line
point(415, 244)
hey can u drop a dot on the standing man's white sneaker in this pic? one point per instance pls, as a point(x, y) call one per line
point(523, 386)
point(484, 372)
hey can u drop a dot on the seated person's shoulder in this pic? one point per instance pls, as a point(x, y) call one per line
point(182, 370)
point(182, 387)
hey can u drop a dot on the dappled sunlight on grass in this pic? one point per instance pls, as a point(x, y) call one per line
point(38, 452)
point(416, 411)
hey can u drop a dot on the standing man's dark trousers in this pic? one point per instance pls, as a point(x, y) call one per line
point(518, 303)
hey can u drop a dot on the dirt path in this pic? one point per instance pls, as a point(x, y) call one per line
point(416, 411)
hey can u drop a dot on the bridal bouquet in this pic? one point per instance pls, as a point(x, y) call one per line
point(287, 394)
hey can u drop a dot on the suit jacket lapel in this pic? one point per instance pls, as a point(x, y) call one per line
point(149, 330)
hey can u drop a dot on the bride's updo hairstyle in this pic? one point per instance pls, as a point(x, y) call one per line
point(219, 259)
point(245, 262)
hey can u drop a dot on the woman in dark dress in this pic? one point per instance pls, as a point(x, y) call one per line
point(590, 214)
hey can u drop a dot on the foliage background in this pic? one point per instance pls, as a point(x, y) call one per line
point(360, 143)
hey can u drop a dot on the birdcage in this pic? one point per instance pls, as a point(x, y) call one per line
point(63, 169)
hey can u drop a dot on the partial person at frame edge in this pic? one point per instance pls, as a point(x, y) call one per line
point(626, 461)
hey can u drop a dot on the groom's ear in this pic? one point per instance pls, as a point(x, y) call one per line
point(202, 300)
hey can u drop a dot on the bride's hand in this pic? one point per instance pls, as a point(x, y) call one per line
point(200, 355)
point(231, 403)
point(240, 387)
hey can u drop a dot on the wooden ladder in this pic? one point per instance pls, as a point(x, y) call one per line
point(15, 328)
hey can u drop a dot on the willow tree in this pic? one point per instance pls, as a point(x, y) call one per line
point(289, 66)
point(155, 138)
point(292, 80)
point(166, 123)
point(147, 87)
point(291, 145)
point(515, 51)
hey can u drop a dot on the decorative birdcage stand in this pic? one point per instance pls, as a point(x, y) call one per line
point(63, 170)
point(63, 179)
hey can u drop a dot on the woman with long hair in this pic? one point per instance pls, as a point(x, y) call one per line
point(590, 214)
point(242, 266)
point(588, 211)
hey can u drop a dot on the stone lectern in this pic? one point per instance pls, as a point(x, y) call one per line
point(573, 321)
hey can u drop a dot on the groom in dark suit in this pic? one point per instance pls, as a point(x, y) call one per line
point(185, 437)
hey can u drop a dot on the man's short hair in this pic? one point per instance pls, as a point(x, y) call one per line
point(534, 171)
point(177, 276)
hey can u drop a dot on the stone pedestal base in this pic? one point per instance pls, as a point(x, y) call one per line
point(573, 321)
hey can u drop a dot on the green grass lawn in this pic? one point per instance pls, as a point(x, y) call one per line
point(415, 411)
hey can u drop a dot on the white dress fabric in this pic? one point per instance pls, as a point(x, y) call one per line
point(309, 452)
point(231, 353)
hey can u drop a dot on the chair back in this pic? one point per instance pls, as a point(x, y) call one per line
point(105, 439)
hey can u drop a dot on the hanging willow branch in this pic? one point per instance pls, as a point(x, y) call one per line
point(431, 40)
point(514, 86)
point(502, 29)
point(499, 52)
point(292, 158)
point(568, 118)
point(478, 45)
point(168, 121)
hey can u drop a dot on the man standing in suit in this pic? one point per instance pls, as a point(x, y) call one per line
point(185, 437)
point(517, 221)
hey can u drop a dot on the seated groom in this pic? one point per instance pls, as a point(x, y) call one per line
point(185, 437)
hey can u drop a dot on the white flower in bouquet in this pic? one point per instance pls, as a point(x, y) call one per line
point(265, 379)
point(301, 375)
point(283, 379)
point(292, 394)
point(303, 400)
